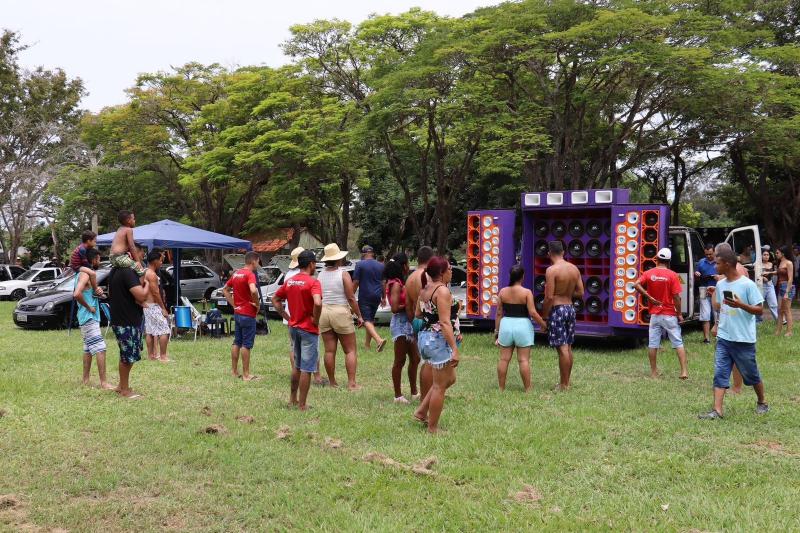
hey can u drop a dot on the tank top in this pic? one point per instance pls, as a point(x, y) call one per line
point(389, 284)
point(88, 294)
point(332, 287)
point(430, 314)
point(515, 310)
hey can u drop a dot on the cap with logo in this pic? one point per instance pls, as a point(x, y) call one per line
point(367, 249)
point(305, 258)
point(664, 254)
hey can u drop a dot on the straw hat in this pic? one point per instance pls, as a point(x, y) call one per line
point(332, 253)
point(295, 253)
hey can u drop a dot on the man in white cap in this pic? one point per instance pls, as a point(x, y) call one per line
point(662, 287)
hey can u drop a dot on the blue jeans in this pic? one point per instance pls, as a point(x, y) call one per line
point(433, 348)
point(306, 350)
point(245, 334)
point(741, 353)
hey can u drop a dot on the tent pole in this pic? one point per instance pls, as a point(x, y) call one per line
point(176, 269)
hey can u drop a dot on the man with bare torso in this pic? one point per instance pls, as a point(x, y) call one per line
point(156, 325)
point(562, 283)
point(413, 288)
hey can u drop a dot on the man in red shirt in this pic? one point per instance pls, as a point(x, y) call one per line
point(304, 294)
point(246, 304)
point(662, 287)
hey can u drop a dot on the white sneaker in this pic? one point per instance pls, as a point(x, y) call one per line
point(415, 396)
point(400, 399)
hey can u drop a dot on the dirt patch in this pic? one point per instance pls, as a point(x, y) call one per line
point(205, 411)
point(333, 444)
point(795, 399)
point(528, 494)
point(772, 447)
point(423, 467)
point(245, 419)
point(9, 501)
point(283, 433)
point(375, 457)
point(216, 429)
point(3, 413)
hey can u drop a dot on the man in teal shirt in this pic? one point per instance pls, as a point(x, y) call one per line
point(94, 345)
point(738, 301)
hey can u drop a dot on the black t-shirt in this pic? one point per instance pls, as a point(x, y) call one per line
point(124, 309)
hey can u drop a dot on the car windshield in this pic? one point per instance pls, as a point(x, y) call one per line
point(67, 285)
point(28, 275)
point(268, 275)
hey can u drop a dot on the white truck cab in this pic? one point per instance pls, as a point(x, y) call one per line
point(687, 249)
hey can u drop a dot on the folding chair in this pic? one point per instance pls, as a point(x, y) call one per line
point(198, 319)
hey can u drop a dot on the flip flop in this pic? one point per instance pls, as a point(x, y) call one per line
point(322, 383)
point(382, 345)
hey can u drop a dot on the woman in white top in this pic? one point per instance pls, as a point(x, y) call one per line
point(336, 321)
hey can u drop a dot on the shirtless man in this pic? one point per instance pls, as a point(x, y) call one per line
point(562, 283)
point(123, 248)
point(156, 325)
point(413, 288)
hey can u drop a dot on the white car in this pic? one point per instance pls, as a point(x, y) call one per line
point(16, 289)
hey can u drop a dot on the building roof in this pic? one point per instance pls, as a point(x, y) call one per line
point(271, 241)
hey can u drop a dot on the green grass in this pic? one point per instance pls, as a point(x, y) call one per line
point(607, 455)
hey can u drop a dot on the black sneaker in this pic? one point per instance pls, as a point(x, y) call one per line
point(706, 341)
point(762, 408)
point(711, 415)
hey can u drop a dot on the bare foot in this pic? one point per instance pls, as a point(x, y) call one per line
point(561, 388)
point(788, 334)
point(129, 394)
point(85, 382)
point(152, 358)
point(420, 418)
point(251, 378)
point(107, 386)
point(236, 375)
point(165, 360)
point(333, 385)
point(736, 391)
point(354, 387)
point(683, 376)
point(655, 375)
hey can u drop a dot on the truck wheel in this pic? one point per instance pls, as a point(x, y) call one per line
point(18, 294)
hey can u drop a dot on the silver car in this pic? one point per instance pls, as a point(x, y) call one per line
point(198, 281)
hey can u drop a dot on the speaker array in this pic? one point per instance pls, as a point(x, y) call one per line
point(483, 263)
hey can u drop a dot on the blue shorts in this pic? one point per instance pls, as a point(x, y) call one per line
point(515, 331)
point(433, 348)
point(400, 326)
point(129, 340)
point(668, 324)
point(741, 353)
point(244, 335)
point(561, 325)
point(368, 310)
point(305, 346)
point(783, 288)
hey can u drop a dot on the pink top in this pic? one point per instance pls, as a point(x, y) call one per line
point(402, 291)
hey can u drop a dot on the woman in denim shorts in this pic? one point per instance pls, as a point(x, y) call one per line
point(395, 274)
point(786, 289)
point(438, 338)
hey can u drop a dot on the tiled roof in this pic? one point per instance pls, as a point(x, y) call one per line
point(271, 241)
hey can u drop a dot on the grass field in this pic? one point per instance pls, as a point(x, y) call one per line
point(619, 451)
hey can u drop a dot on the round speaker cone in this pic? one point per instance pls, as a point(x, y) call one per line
point(540, 249)
point(474, 264)
point(473, 222)
point(649, 250)
point(594, 305)
point(577, 303)
point(474, 235)
point(594, 285)
point(541, 229)
point(559, 229)
point(576, 248)
point(651, 218)
point(594, 248)
point(473, 292)
point(576, 228)
point(538, 284)
point(650, 235)
point(647, 265)
point(474, 250)
point(594, 228)
point(538, 302)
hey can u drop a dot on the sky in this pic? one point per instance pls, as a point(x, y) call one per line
point(107, 43)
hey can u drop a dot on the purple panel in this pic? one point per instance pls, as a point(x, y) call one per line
point(576, 199)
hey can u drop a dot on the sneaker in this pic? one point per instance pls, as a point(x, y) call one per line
point(711, 415)
point(415, 396)
point(400, 399)
point(762, 408)
point(706, 341)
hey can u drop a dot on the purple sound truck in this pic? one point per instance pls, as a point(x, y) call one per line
point(610, 240)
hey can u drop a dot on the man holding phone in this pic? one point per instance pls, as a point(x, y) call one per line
point(738, 302)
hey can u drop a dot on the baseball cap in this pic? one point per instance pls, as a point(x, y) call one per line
point(665, 254)
point(766, 247)
point(366, 249)
point(305, 258)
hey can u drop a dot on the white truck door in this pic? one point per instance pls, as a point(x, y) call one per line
point(682, 264)
point(746, 243)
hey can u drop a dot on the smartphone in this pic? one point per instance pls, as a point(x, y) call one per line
point(728, 295)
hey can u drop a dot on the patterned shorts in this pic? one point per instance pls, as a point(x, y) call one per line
point(129, 340)
point(561, 325)
point(155, 323)
point(93, 341)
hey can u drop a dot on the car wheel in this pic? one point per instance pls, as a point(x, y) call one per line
point(209, 291)
point(18, 294)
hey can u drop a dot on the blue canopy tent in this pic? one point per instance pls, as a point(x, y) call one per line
point(169, 234)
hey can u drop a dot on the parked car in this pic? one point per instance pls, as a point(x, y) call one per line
point(268, 277)
point(17, 288)
point(51, 309)
point(9, 272)
point(197, 281)
point(458, 286)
